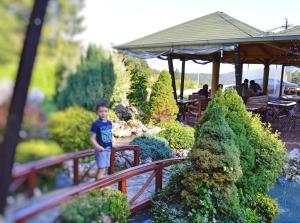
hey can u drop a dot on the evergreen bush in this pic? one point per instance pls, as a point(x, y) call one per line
point(178, 136)
point(94, 79)
point(70, 128)
point(162, 105)
point(151, 147)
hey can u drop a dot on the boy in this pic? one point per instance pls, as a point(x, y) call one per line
point(101, 138)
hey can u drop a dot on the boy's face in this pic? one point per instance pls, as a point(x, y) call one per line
point(102, 112)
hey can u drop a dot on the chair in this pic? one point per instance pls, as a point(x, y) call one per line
point(291, 121)
point(260, 103)
point(196, 110)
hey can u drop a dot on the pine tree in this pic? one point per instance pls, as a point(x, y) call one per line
point(93, 79)
point(162, 105)
point(138, 85)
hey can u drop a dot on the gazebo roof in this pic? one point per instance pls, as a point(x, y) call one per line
point(218, 34)
point(214, 26)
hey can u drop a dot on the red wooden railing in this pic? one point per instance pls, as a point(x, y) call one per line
point(24, 214)
point(28, 171)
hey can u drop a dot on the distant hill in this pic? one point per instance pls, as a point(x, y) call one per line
point(251, 74)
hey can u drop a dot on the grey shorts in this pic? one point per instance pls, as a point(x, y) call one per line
point(103, 158)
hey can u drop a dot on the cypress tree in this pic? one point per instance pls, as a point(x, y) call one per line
point(162, 105)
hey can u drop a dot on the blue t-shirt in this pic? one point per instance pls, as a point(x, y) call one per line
point(103, 131)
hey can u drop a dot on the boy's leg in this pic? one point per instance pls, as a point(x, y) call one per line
point(100, 173)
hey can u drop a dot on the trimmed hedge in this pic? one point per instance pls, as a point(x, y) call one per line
point(178, 136)
point(70, 128)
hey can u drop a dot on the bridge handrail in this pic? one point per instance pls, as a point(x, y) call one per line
point(28, 171)
point(23, 214)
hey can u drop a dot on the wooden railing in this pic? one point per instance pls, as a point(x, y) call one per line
point(24, 214)
point(28, 171)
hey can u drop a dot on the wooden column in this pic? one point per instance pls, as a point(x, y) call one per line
point(281, 80)
point(266, 79)
point(215, 75)
point(16, 110)
point(171, 71)
point(182, 78)
point(238, 69)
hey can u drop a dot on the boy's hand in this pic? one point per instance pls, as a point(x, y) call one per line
point(100, 148)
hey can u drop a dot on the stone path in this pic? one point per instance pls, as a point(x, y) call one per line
point(134, 184)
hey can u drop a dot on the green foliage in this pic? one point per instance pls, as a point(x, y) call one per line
point(294, 77)
point(259, 207)
point(70, 128)
point(97, 206)
point(178, 136)
point(122, 85)
point(262, 153)
point(36, 149)
point(94, 79)
point(155, 148)
point(112, 115)
point(162, 105)
point(62, 23)
point(229, 142)
point(139, 75)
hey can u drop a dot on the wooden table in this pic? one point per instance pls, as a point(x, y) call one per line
point(282, 106)
point(294, 98)
point(183, 103)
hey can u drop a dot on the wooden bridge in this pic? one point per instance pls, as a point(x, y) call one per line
point(138, 182)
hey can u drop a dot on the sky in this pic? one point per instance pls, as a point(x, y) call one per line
point(113, 22)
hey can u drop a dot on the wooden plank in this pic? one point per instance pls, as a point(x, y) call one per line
point(145, 186)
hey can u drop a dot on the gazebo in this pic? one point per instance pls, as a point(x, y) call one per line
point(218, 38)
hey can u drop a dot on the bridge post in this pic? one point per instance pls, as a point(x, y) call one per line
point(158, 178)
point(75, 171)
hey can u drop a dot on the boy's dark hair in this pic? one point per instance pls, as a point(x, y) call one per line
point(101, 103)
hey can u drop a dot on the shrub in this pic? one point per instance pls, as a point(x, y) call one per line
point(156, 149)
point(93, 79)
point(36, 149)
point(262, 153)
point(162, 105)
point(97, 204)
point(139, 75)
point(70, 128)
point(112, 115)
point(178, 136)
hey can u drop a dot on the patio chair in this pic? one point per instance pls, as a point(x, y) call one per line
point(196, 110)
point(291, 121)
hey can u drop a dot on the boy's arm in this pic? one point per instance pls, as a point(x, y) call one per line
point(95, 144)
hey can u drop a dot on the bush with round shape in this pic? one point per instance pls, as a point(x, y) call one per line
point(36, 149)
point(151, 147)
point(178, 136)
point(108, 205)
point(70, 128)
point(162, 106)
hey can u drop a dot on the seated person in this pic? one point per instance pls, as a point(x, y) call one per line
point(245, 88)
point(204, 91)
point(255, 88)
